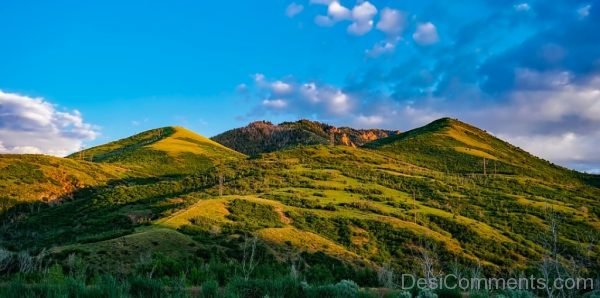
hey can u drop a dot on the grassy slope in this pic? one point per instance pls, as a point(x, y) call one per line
point(384, 204)
point(27, 178)
point(455, 147)
point(164, 151)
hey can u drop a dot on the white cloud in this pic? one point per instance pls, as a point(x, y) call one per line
point(564, 147)
point(391, 22)
point(426, 34)
point(33, 125)
point(362, 18)
point(522, 7)
point(279, 87)
point(293, 9)
point(335, 13)
point(299, 98)
point(338, 12)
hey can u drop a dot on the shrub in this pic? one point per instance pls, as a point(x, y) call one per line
point(210, 289)
point(145, 287)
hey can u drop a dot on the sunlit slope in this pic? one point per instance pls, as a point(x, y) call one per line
point(30, 178)
point(328, 204)
point(167, 150)
point(453, 146)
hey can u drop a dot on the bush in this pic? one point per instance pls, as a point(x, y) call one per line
point(145, 287)
point(210, 289)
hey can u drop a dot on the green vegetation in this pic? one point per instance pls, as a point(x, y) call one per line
point(162, 151)
point(172, 213)
point(262, 136)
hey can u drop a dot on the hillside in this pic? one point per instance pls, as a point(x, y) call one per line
point(40, 178)
point(261, 137)
point(167, 150)
point(314, 213)
point(452, 146)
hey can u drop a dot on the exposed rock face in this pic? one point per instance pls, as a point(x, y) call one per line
point(263, 136)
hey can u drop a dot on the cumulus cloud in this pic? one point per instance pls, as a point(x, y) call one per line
point(290, 97)
point(391, 22)
point(362, 18)
point(335, 12)
point(426, 34)
point(293, 9)
point(34, 125)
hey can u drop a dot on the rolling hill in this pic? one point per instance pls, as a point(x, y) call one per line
point(179, 210)
point(453, 146)
point(167, 150)
point(261, 136)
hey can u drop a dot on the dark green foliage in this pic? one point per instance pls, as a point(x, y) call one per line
point(254, 215)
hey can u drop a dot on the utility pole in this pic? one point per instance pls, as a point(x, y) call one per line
point(415, 205)
point(484, 168)
point(495, 167)
point(221, 184)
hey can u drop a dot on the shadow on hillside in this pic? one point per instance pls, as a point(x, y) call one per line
point(97, 213)
point(592, 180)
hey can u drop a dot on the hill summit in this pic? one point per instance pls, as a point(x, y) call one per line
point(171, 149)
point(263, 136)
point(451, 145)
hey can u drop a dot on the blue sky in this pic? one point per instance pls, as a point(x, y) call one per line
point(79, 73)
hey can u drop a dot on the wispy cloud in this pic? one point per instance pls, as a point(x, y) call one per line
point(293, 9)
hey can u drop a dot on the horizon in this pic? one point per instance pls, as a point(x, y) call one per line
point(84, 74)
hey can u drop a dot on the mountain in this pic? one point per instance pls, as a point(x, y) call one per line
point(453, 146)
point(167, 150)
point(262, 136)
point(173, 210)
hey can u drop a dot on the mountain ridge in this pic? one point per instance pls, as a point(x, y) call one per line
point(172, 199)
point(263, 136)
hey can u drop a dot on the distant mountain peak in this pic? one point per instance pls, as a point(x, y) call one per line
point(263, 136)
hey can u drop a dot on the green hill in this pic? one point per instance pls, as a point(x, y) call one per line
point(167, 150)
point(313, 213)
point(261, 136)
point(452, 146)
